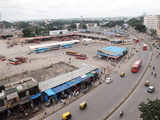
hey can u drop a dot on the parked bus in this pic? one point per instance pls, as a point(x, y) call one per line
point(136, 66)
point(144, 47)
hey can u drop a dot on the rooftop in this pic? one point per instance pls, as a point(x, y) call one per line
point(65, 77)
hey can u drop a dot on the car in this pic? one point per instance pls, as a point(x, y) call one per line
point(66, 116)
point(83, 105)
point(21, 59)
point(151, 89)
point(108, 80)
point(147, 83)
point(122, 74)
point(13, 61)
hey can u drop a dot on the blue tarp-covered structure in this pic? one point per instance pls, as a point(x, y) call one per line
point(50, 92)
point(35, 96)
point(112, 51)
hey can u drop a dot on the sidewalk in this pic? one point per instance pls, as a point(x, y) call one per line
point(47, 111)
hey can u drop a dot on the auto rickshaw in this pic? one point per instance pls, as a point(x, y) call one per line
point(122, 74)
point(147, 83)
point(66, 116)
point(83, 105)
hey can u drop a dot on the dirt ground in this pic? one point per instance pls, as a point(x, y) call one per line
point(42, 74)
point(42, 60)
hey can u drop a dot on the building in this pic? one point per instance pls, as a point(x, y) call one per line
point(153, 22)
point(52, 88)
point(20, 93)
point(112, 52)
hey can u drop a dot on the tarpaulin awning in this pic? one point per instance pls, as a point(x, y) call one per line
point(74, 81)
point(50, 92)
point(90, 74)
point(35, 96)
point(60, 88)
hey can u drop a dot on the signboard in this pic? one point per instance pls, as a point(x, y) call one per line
point(12, 96)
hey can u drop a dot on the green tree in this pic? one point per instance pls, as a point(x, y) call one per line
point(140, 28)
point(7, 24)
point(28, 32)
point(150, 110)
point(134, 22)
point(83, 26)
point(153, 32)
point(23, 25)
point(114, 23)
point(72, 27)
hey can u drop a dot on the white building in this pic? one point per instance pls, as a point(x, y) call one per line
point(152, 22)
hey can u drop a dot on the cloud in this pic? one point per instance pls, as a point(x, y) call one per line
point(41, 9)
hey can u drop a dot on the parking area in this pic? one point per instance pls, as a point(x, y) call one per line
point(41, 60)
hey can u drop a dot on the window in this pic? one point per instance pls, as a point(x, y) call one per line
point(34, 90)
point(22, 94)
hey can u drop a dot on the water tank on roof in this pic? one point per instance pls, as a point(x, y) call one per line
point(2, 95)
point(19, 88)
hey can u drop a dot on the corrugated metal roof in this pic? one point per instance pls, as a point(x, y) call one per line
point(65, 77)
point(53, 44)
point(113, 50)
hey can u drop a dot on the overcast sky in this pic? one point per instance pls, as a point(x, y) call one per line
point(50, 9)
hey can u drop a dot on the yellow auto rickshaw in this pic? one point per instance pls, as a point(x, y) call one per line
point(83, 105)
point(147, 83)
point(66, 116)
point(122, 74)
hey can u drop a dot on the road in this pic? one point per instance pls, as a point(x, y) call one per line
point(105, 97)
point(130, 107)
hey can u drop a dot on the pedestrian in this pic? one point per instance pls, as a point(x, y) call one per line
point(70, 60)
point(152, 73)
point(153, 67)
point(155, 74)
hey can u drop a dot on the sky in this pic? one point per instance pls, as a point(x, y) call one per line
point(13, 10)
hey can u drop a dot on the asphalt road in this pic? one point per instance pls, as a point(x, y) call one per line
point(105, 97)
point(130, 107)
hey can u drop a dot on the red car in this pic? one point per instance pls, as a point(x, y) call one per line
point(21, 59)
point(13, 61)
point(81, 57)
point(17, 60)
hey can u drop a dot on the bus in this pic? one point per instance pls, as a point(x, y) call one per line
point(136, 66)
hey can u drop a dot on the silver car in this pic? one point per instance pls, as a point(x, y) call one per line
point(151, 89)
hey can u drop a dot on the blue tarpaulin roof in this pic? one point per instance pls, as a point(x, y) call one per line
point(69, 84)
point(35, 96)
point(112, 50)
point(60, 88)
point(74, 81)
point(50, 92)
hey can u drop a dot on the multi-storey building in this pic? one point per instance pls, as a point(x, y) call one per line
point(153, 22)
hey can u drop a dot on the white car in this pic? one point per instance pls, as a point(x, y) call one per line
point(108, 80)
point(151, 89)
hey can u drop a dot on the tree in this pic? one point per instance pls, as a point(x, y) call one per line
point(72, 27)
point(83, 26)
point(134, 22)
point(140, 28)
point(28, 32)
point(153, 32)
point(23, 25)
point(7, 24)
point(114, 23)
point(150, 110)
